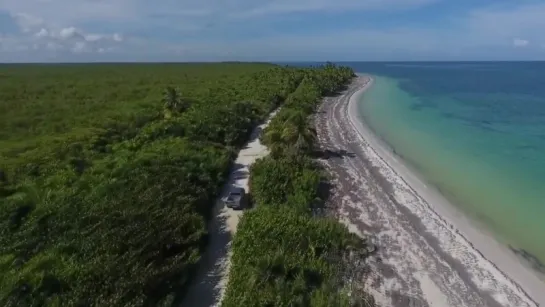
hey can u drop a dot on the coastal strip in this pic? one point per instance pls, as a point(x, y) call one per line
point(429, 253)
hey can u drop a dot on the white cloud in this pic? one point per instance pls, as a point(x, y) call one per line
point(42, 33)
point(80, 47)
point(37, 34)
point(117, 37)
point(93, 37)
point(69, 33)
point(518, 42)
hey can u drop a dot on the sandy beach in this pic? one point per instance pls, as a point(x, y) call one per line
point(209, 286)
point(429, 253)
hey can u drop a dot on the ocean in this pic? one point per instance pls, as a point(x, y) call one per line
point(476, 131)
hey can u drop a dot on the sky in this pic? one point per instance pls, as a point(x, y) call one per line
point(271, 30)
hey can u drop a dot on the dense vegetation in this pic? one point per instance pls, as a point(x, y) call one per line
point(284, 253)
point(108, 175)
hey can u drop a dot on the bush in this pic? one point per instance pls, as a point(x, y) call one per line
point(287, 180)
point(284, 258)
point(132, 222)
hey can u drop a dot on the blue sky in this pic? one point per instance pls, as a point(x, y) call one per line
point(271, 30)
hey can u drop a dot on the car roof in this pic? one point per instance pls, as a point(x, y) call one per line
point(237, 189)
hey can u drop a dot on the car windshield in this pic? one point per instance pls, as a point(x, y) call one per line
point(235, 193)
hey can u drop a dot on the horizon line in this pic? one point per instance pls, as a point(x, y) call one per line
point(276, 62)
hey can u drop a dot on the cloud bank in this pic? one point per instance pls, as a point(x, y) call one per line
point(134, 30)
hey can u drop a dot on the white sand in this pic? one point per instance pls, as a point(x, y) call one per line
point(491, 267)
point(209, 286)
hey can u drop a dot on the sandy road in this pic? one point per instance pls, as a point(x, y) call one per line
point(209, 286)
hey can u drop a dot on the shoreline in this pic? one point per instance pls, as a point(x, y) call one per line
point(423, 259)
point(499, 257)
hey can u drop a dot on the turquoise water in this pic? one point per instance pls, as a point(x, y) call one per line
point(474, 130)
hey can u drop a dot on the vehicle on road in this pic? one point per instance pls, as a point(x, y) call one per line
point(236, 199)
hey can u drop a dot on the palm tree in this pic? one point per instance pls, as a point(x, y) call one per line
point(273, 138)
point(294, 135)
point(172, 102)
point(298, 133)
point(304, 137)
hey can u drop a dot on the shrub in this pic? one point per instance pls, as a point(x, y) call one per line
point(287, 180)
point(283, 258)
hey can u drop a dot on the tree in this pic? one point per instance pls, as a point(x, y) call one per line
point(173, 103)
point(275, 142)
point(299, 133)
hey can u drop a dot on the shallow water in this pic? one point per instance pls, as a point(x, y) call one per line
point(477, 132)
